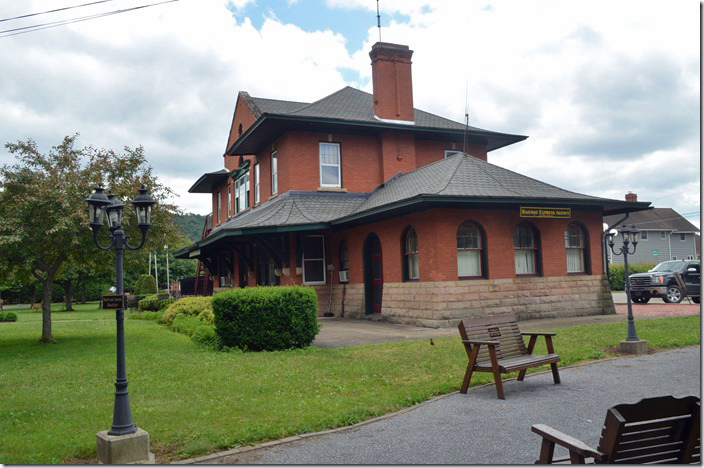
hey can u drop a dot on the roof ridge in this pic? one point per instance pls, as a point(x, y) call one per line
point(323, 99)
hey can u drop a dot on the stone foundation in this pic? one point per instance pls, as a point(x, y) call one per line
point(444, 304)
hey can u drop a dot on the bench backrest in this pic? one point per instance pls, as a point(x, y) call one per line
point(654, 430)
point(502, 328)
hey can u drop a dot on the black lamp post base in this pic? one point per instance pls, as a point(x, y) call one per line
point(124, 449)
point(634, 347)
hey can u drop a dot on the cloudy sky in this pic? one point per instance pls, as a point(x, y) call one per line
point(607, 91)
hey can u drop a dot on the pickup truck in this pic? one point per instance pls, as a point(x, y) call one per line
point(661, 282)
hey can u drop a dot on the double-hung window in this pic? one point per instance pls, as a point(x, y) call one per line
point(229, 200)
point(242, 192)
point(469, 251)
point(525, 250)
point(219, 205)
point(575, 248)
point(256, 184)
point(330, 175)
point(314, 260)
point(410, 252)
point(274, 173)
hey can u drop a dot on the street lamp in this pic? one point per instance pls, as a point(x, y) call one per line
point(629, 238)
point(110, 207)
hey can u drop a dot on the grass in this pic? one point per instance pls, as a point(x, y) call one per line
point(193, 401)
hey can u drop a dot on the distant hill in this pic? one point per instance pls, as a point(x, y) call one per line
point(191, 225)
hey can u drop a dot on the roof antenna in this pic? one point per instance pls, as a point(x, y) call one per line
point(466, 117)
point(378, 19)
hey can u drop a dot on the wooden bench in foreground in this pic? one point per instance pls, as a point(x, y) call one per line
point(654, 430)
point(495, 344)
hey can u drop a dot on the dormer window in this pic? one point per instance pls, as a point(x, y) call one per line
point(330, 174)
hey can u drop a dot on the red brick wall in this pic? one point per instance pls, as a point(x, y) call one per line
point(392, 80)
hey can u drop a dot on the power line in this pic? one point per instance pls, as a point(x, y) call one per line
point(53, 24)
point(54, 11)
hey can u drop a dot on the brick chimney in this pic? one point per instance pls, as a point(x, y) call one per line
point(631, 197)
point(391, 78)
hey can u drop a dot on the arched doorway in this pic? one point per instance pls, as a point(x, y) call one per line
point(373, 275)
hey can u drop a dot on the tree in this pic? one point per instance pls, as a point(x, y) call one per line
point(44, 217)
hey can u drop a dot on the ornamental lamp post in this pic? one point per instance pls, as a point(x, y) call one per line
point(629, 237)
point(124, 443)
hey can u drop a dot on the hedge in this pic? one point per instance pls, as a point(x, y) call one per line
point(154, 304)
point(146, 284)
point(617, 274)
point(200, 307)
point(266, 318)
point(8, 317)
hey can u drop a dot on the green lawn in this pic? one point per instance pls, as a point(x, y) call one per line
point(56, 397)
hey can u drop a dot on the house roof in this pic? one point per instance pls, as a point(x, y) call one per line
point(460, 180)
point(208, 181)
point(349, 110)
point(657, 219)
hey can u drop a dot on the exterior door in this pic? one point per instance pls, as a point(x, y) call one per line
point(373, 275)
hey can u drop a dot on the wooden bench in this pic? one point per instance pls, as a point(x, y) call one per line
point(495, 344)
point(654, 430)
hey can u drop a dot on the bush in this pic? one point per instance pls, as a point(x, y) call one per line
point(154, 304)
point(8, 317)
point(146, 284)
point(617, 274)
point(200, 307)
point(201, 332)
point(146, 315)
point(266, 318)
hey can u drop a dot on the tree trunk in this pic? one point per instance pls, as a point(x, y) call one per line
point(46, 310)
point(68, 297)
point(33, 294)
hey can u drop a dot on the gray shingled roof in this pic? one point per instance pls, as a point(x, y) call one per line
point(657, 219)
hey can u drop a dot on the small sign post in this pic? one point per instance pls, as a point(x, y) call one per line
point(115, 301)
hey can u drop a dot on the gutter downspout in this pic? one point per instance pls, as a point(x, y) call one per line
point(669, 246)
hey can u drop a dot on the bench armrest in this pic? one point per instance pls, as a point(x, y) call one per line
point(575, 446)
point(479, 342)
point(538, 334)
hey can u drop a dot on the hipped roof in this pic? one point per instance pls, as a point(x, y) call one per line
point(657, 219)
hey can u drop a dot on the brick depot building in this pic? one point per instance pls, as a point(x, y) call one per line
point(394, 213)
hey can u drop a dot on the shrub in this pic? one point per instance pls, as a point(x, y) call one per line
point(617, 274)
point(146, 284)
point(266, 318)
point(154, 304)
point(8, 317)
point(201, 332)
point(200, 307)
point(146, 315)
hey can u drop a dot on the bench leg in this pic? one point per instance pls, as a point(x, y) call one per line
point(547, 450)
point(555, 373)
point(499, 385)
point(467, 378)
point(521, 375)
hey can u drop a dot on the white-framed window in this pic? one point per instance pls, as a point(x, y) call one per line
point(229, 200)
point(525, 250)
point(690, 257)
point(410, 253)
point(274, 173)
point(674, 257)
point(330, 174)
point(683, 236)
point(469, 251)
point(256, 184)
point(449, 153)
point(575, 247)
point(663, 235)
point(314, 259)
point(242, 193)
point(219, 204)
point(644, 235)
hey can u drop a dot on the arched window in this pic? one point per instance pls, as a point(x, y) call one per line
point(575, 247)
point(410, 255)
point(469, 251)
point(525, 250)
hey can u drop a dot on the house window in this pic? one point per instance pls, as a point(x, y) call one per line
point(674, 257)
point(449, 153)
point(256, 184)
point(330, 175)
point(644, 235)
point(219, 205)
point(469, 251)
point(229, 200)
point(683, 237)
point(575, 247)
point(410, 254)
point(242, 193)
point(690, 257)
point(525, 250)
point(344, 263)
point(663, 235)
point(314, 260)
point(274, 173)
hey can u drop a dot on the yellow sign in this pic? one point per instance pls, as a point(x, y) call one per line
point(542, 212)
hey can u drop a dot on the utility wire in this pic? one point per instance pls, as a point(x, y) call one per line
point(54, 11)
point(39, 27)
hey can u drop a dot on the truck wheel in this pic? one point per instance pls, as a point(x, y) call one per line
point(696, 300)
point(674, 295)
point(640, 299)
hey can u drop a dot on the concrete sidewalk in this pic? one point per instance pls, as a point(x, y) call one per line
point(477, 428)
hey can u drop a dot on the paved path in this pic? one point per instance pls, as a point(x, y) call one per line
point(477, 428)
